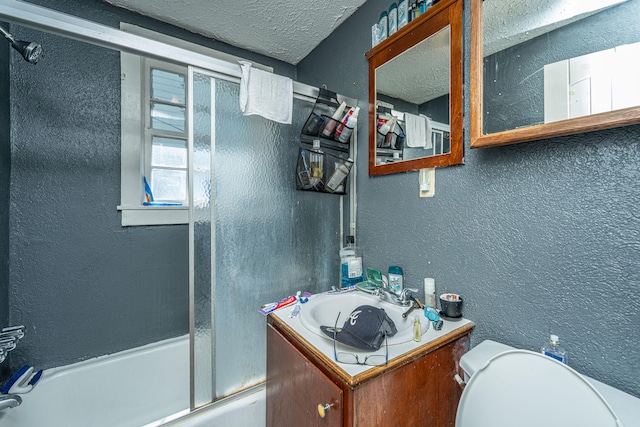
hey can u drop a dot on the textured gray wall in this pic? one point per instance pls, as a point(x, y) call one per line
point(539, 237)
point(81, 283)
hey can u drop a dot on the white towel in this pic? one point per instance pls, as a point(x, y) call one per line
point(417, 131)
point(265, 94)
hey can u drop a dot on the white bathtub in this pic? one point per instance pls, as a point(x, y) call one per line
point(133, 388)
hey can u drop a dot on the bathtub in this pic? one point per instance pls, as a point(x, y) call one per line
point(145, 386)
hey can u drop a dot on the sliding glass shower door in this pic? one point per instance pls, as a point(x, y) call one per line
point(254, 239)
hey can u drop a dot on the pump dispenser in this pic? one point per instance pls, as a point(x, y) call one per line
point(352, 271)
point(554, 350)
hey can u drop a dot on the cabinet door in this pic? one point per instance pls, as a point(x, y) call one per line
point(421, 393)
point(295, 388)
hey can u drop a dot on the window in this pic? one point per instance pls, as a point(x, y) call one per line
point(154, 141)
point(166, 137)
point(155, 135)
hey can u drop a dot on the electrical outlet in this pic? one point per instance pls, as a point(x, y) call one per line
point(427, 182)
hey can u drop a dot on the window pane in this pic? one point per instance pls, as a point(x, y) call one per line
point(167, 86)
point(167, 117)
point(168, 185)
point(169, 152)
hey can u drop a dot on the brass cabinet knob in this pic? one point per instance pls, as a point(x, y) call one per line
point(323, 409)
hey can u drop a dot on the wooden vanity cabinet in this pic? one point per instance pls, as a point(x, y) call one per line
point(416, 389)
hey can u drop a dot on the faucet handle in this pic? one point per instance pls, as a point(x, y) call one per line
point(405, 291)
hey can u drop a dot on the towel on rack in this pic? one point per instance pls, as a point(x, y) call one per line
point(418, 131)
point(265, 94)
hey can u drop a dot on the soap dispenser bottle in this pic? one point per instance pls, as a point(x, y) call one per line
point(351, 268)
point(554, 350)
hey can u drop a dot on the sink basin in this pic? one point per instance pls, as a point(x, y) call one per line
point(323, 309)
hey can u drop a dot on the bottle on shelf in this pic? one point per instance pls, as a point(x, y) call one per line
point(428, 4)
point(403, 16)
point(393, 18)
point(422, 5)
point(383, 22)
point(554, 350)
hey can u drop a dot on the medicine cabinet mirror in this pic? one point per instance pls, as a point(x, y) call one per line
point(547, 68)
point(415, 94)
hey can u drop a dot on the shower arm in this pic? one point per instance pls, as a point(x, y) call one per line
point(7, 35)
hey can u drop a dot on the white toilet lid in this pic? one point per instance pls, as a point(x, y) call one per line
point(522, 388)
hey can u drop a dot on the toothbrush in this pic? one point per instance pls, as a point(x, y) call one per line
point(22, 381)
point(296, 310)
point(304, 175)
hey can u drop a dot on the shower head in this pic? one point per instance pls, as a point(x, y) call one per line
point(30, 51)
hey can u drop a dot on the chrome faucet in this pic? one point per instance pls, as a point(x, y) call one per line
point(9, 338)
point(404, 299)
point(9, 401)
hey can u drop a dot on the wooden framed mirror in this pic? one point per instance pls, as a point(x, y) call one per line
point(415, 88)
point(548, 68)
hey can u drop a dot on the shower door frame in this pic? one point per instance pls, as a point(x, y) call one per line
point(302, 92)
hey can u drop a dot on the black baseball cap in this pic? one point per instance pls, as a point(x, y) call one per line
point(364, 329)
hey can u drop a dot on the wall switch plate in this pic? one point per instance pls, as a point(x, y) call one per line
point(427, 182)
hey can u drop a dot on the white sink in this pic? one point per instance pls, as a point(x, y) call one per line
point(323, 309)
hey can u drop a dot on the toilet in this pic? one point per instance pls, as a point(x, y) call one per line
point(511, 387)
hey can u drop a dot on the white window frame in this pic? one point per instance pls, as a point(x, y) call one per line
point(149, 132)
point(134, 137)
point(136, 142)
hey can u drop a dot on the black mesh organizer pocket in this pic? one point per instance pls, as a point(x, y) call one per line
point(316, 171)
point(321, 123)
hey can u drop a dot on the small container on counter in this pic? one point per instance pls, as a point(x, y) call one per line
point(416, 329)
point(430, 292)
point(395, 279)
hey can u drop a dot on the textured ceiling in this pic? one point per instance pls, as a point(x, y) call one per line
point(406, 76)
point(507, 23)
point(287, 30)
